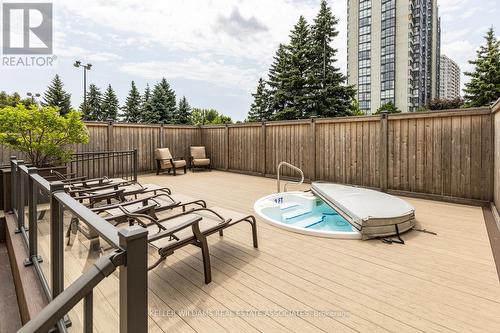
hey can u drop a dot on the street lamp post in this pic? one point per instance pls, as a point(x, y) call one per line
point(86, 68)
point(33, 95)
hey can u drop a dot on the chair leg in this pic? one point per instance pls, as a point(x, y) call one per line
point(184, 169)
point(157, 171)
point(221, 232)
point(175, 173)
point(201, 241)
point(253, 223)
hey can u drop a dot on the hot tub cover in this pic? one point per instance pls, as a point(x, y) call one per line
point(373, 213)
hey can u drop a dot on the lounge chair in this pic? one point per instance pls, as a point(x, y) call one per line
point(199, 158)
point(175, 231)
point(165, 161)
point(158, 202)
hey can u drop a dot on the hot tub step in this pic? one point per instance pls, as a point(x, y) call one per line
point(308, 221)
point(288, 205)
point(295, 213)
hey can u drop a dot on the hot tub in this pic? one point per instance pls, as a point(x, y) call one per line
point(304, 213)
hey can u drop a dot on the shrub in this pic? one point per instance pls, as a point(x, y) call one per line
point(41, 133)
point(389, 107)
point(445, 104)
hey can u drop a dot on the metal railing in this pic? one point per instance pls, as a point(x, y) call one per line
point(278, 171)
point(129, 254)
point(122, 164)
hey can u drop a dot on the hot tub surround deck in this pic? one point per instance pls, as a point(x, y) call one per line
point(446, 282)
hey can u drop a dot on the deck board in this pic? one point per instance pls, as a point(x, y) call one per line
point(445, 282)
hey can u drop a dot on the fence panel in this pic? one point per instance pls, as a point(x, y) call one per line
point(347, 151)
point(289, 142)
point(246, 151)
point(180, 138)
point(214, 139)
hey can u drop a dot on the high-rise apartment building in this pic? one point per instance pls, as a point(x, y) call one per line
point(449, 78)
point(393, 52)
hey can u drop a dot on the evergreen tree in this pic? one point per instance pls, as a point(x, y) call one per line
point(159, 109)
point(57, 97)
point(132, 107)
point(278, 97)
point(93, 110)
point(109, 105)
point(170, 104)
point(329, 92)
point(259, 109)
point(146, 106)
point(295, 80)
point(484, 86)
point(183, 112)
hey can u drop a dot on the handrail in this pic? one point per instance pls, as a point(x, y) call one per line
point(66, 300)
point(131, 255)
point(292, 167)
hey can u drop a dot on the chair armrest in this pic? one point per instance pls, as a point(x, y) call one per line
point(177, 228)
point(93, 196)
point(178, 158)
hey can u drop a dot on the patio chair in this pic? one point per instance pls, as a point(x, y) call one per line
point(199, 158)
point(165, 161)
point(174, 231)
point(158, 202)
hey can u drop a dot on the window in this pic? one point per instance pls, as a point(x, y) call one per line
point(364, 46)
point(364, 30)
point(365, 21)
point(364, 55)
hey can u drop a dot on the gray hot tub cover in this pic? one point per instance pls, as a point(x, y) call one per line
point(373, 213)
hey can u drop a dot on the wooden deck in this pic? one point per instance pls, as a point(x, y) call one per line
point(433, 283)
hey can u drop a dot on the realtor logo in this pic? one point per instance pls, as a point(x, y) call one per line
point(27, 28)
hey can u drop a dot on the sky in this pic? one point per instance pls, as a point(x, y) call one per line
point(211, 51)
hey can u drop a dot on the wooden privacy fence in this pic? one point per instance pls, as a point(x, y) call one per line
point(447, 153)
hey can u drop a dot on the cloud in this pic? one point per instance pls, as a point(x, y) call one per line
point(215, 72)
point(237, 26)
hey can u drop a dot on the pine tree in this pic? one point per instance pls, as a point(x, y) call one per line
point(109, 105)
point(183, 112)
point(132, 107)
point(56, 96)
point(159, 102)
point(170, 104)
point(259, 109)
point(484, 86)
point(93, 109)
point(331, 96)
point(295, 80)
point(278, 97)
point(146, 107)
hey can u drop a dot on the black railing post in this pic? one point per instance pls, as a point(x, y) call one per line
point(135, 164)
point(32, 219)
point(134, 280)
point(13, 185)
point(20, 197)
point(56, 239)
point(88, 312)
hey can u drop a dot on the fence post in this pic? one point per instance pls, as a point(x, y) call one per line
point(110, 147)
point(162, 138)
point(135, 165)
point(56, 239)
point(313, 148)
point(384, 149)
point(20, 197)
point(32, 219)
point(263, 146)
point(13, 185)
point(226, 143)
point(134, 280)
